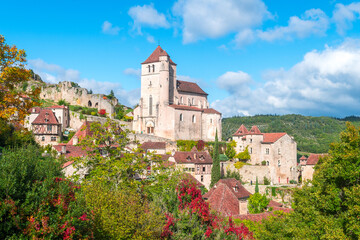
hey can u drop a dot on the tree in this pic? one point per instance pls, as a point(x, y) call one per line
point(257, 203)
point(230, 150)
point(244, 155)
point(257, 186)
point(14, 101)
point(215, 170)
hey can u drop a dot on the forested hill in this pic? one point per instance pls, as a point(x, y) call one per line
point(312, 134)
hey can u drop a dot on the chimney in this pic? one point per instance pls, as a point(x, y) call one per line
point(75, 140)
point(63, 149)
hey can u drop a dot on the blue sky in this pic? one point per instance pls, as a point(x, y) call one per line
point(251, 56)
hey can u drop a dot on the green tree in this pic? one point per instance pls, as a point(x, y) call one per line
point(215, 170)
point(257, 186)
point(230, 150)
point(244, 156)
point(257, 203)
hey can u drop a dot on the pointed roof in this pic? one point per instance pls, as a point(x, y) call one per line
point(46, 116)
point(194, 149)
point(255, 130)
point(83, 132)
point(241, 131)
point(154, 57)
point(303, 158)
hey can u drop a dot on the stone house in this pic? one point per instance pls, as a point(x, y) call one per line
point(228, 197)
point(198, 164)
point(308, 164)
point(171, 108)
point(61, 113)
point(154, 147)
point(46, 128)
point(277, 151)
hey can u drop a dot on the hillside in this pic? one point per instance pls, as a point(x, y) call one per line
point(312, 134)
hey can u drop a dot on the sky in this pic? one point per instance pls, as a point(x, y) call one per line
point(251, 56)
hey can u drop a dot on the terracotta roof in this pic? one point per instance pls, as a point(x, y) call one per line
point(71, 150)
point(272, 137)
point(274, 204)
point(210, 110)
point(255, 130)
point(314, 158)
point(192, 108)
point(154, 57)
point(67, 164)
point(184, 107)
point(191, 87)
point(46, 116)
point(34, 110)
point(59, 106)
point(303, 158)
point(193, 157)
point(153, 145)
point(83, 132)
point(241, 131)
point(193, 179)
point(232, 184)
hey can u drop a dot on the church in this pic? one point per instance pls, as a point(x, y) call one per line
point(171, 108)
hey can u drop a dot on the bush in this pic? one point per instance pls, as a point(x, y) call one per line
point(81, 116)
point(93, 113)
point(263, 163)
point(257, 203)
point(266, 181)
point(240, 164)
point(293, 182)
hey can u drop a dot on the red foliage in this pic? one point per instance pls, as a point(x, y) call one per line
point(200, 145)
point(102, 111)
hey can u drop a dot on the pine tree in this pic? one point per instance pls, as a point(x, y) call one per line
point(257, 186)
point(215, 171)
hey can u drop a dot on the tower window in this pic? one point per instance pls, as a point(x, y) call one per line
point(153, 67)
point(149, 67)
point(193, 118)
point(150, 105)
point(181, 117)
point(181, 100)
point(267, 151)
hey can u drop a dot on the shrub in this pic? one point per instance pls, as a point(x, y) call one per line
point(81, 116)
point(263, 163)
point(266, 181)
point(257, 203)
point(93, 113)
point(293, 182)
point(102, 112)
point(240, 164)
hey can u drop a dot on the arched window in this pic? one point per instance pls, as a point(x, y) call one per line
point(181, 117)
point(150, 105)
point(193, 119)
point(189, 101)
point(89, 104)
point(181, 100)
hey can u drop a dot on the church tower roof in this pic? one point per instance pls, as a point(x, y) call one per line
point(154, 57)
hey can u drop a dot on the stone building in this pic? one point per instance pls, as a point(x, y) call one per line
point(277, 151)
point(196, 163)
point(307, 166)
point(61, 113)
point(171, 108)
point(46, 128)
point(228, 197)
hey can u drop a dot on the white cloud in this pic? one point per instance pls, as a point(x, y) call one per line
point(147, 16)
point(133, 72)
point(150, 39)
point(53, 74)
point(344, 15)
point(324, 83)
point(108, 28)
point(312, 22)
point(234, 82)
point(212, 18)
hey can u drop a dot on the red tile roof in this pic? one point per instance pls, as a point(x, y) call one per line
point(191, 108)
point(303, 158)
point(154, 57)
point(272, 137)
point(46, 116)
point(314, 158)
point(153, 145)
point(255, 130)
point(59, 106)
point(71, 150)
point(193, 179)
point(67, 164)
point(260, 216)
point(241, 131)
point(193, 157)
point(83, 132)
point(274, 204)
point(34, 110)
point(232, 184)
point(191, 87)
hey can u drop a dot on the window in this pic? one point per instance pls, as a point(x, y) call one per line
point(279, 151)
point(250, 150)
point(49, 128)
point(153, 68)
point(43, 138)
point(188, 158)
point(204, 169)
point(193, 119)
point(279, 163)
point(181, 100)
point(210, 120)
point(181, 117)
point(267, 163)
point(202, 178)
point(150, 105)
point(267, 151)
point(53, 139)
point(149, 67)
point(250, 140)
point(189, 103)
point(150, 130)
point(198, 169)
point(192, 101)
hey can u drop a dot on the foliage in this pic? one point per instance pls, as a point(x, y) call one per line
point(230, 150)
point(200, 145)
point(239, 165)
point(185, 145)
point(244, 155)
point(312, 134)
point(263, 163)
point(36, 202)
point(234, 174)
point(293, 182)
point(10, 136)
point(257, 203)
point(14, 101)
point(121, 111)
point(266, 181)
point(257, 185)
point(74, 84)
point(111, 95)
point(215, 170)
point(192, 219)
point(63, 102)
point(90, 91)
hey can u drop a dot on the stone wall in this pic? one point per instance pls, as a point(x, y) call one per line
point(249, 173)
point(78, 96)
